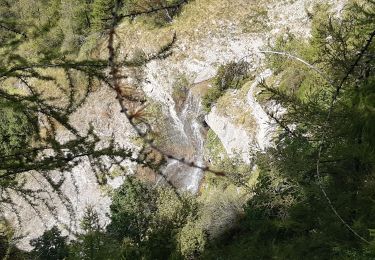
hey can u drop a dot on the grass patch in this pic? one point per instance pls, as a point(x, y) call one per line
point(214, 149)
point(257, 19)
point(208, 15)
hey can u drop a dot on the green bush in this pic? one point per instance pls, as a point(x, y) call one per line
point(132, 210)
point(229, 76)
point(148, 219)
point(192, 240)
point(212, 95)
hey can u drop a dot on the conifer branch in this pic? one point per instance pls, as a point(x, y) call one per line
point(330, 110)
point(323, 138)
point(152, 10)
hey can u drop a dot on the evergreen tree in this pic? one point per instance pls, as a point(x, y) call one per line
point(94, 243)
point(132, 210)
point(50, 246)
point(102, 13)
point(313, 196)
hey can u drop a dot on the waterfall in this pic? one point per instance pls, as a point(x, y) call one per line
point(190, 144)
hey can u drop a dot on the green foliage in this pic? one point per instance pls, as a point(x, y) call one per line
point(102, 10)
point(165, 228)
point(214, 149)
point(17, 127)
point(289, 217)
point(295, 80)
point(157, 19)
point(148, 220)
point(101, 13)
point(75, 23)
point(50, 246)
point(132, 209)
point(7, 239)
point(93, 243)
point(47, 27)
point(172, 216)
point(229, 76)
point(193, 239)
point(210, 98)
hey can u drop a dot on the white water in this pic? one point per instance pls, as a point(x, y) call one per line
point(190, 141)
point(178, 123)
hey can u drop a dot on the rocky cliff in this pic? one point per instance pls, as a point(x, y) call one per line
point(209, 33)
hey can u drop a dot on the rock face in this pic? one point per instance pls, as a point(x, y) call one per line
point(264, 129)
point(209, 33)
point(226, 41)
point(80, 187)
point(235, 140)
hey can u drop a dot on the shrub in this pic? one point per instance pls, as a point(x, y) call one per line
point(148, 219)
point(192, 240)
point(51, 245)
point(132, 210)
point(208, 100)
point(229, 76)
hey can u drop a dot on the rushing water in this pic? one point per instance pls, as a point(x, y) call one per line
point(189, 143)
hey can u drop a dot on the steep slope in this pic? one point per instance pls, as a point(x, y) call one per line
point(209, 33)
